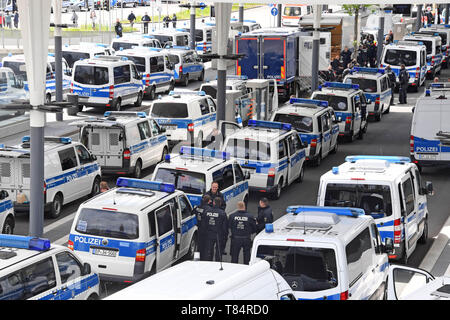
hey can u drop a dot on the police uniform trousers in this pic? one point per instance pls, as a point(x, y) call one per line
point(238, 243)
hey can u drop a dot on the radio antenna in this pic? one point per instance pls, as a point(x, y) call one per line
point(219, 248)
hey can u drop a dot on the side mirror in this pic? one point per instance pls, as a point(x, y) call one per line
point(93, 157)
point(429, 187)
point(369, 101)
point(3, 194)
point(86, 269)
point(304, 144)
point(388, 245)
point(247, 175)
point(162, 130)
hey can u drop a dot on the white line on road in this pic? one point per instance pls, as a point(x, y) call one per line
point(58, 223)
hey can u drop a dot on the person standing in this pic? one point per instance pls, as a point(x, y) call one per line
point(74, 18)
point(16, 19)
point(174, 20)
point(337, 66)
point(346, 57)
point(242, 225)
point(216, 228)
point(403, 78)
point(131, 18)
point(8, 20)
point(146, 19)
point(392, 80)
point(118, 28)
point(200, 212)
point(265, 214)
point(214, 193)
point(93, 17)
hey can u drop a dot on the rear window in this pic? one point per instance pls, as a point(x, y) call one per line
point(91, 75)
point(248, 149)
point(105, 223)
point(300, 123)
point(398, 57)
point(366, 85)
point(163, 39)
point(428, 44)
point(72, 57)
point(210, 90)
point(338, 103)
point(124, 45)
point(187, 181)
point(15, 67)
point(174, 59)
point(169, 110)
point(139, 62)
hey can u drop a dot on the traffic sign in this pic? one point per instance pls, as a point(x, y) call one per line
point(203, 6)
point(274, 11)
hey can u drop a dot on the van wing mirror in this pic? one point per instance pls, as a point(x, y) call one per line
point(3, 194)
point(86, 269)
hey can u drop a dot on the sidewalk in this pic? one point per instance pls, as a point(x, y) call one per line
point(437, 260)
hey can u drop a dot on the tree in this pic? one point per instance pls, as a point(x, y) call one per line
point(354, 9)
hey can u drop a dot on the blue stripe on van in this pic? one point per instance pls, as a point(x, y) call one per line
point(71, 175)
point(77, 288)
point(6, 205)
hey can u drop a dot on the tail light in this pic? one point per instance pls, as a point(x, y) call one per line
point(381, 65)
point(147, 80)
point(397, 231)
point(313, 143)
point(271, 173)
point(204, 46)
point(377, 100)
point(126, 154)
point(140, 255)
point(348, 120)
point(71, 87)
point(344, 295)
point(180, 70)
point(70, 244)
point(190, 127)
point(432, 61)
point(111, 91)
point(45, 188)
point(411, 144)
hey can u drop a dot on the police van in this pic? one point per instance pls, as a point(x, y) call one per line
point(70, 173)
point(172, 37)
point(11, 88)
point(154, 67)
point(186, 116)
point(315, 123)
point(271, 152)
point(84, 50)
point(195, 169)
point(388, 188)
point(413, 55)
point(123, 142)
point(135, 40)
point(187, 64)
point(350, 107)
point(329, 253)
point(7, 219)
point(34, 269)
point(107, 82)
point(17, 64)
point(444, 33)
point(203, 37)
point(377, 89)
point(433, 44)
point(248, 25)
point(134, 230)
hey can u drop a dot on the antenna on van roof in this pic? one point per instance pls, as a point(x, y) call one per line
point(219, 248)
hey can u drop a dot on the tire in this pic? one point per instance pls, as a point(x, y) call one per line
point(360, 134)
point(388, 110)
point(424, 237)
point(80, 108)
point(378, 117)
point(318, 160)
point(199, 140)
point(404, 257)
point(152, 94)
point(192, 248)
point(8, 227)
point(93, 297)
point(163, 155)
point(57, 204)
point(201, 77)
point(138, 102)
point(335, 149)
point(95, 188)
point(117, 105)
point(137, 173)
point(301, 176)
point(172, 86)
point(277, 193)
point(185, 81)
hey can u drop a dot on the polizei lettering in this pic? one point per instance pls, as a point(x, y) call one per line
point(88, 240)
point(241, 218)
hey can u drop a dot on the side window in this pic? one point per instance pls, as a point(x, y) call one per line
point(12, 287)
point(204, 108)
point(186, 210)
point(376, 240)
point(69, 267)
point(67, 158)
point(291, 145)
point(408, 193)
point(358, 256)
point(297, 142)
point(135, 72)
point(38, 277)
point(122, 74)
point(238, 173)
point(224, 177)
point(164, 219)
point(160, 66)
point(357, 101)
point(83, 155)
point(144, 130)
point(282, 152)
point(151, 224)
point(325, 122)
point(153, 65)
point(155, 128)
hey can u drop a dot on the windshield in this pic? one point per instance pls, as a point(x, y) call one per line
point(396, 57)
point(300, 123)
point(169, 110)
point(336, 102)
point(366, 85)
point(139, 62)
point(248, 149)
point(374, 199)
point(15, 67)
point(106, 223)
point(303, 268)
point(124, 45)
point(91, 75)
point(72, 57)
point(187, 181)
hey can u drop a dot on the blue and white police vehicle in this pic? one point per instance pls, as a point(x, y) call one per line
point(326, 253)
point(444, 33)
point(107, 82)
point(377, 89)
point(154, 66)
point(34, 269)
point(388, 188)
point(186, 116)
point(11, 88)
point(123, 142)
point(187, 64)
point(71, 172)
point(7, 219)
point(203, 36)
point(315, 123)
point(136, 229)
point(193, 171)
point(135, 40)
point(84, 50)
point(349, 105)
point(169, 37)
point(271, 152)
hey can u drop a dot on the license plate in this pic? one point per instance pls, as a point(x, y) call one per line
point(426, 156)
point(104, 252)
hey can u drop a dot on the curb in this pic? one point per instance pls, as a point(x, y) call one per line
point(437, 248)
point(15, 127)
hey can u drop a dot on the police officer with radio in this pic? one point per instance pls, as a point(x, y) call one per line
point(200, 212)
point(242, 226)
point(214, 193)
point(216, 230)
point(264, 214)
point(403, 78)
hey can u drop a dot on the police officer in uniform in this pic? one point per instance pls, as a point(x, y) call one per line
point(242, 226)
point(200, 212)
point(403, 78)
point(216, 228)
point(214, 193)
point(264, 214)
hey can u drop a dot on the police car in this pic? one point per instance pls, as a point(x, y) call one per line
point(272, 153)
point(135, 40)
point(413, 55)
point(11, 88)
point(377, 89)
point(315, 123)
point(7, 220)
point(203, 37)
point(194, 169)
point(70, 172)
point(84, 50)
point(134, 230)
point(349, 105)
point(123, 142)
point(107, 81)
point(327, 253)
point(154, 66)
point(388, 188)
point(186, 116)
point(444, 33)
point(171, 37)
point(187, 64)
point(17, 64)
point(32, 268)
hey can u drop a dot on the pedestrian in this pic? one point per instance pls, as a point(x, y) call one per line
point(242, 225)
point(214, 193)
point(200, 211)
point(8, 20)
point(265, 214)
point(391, 36)
point(174, 20)
point(166, 21)
point(93, 17)
point(131, 18)
point(104, 186)
point(16, 19)
point(337, 65)
point(436, 80)
point(74, 18)
point(216, 227)
point(118, 28)
point(403, 78)
point(362, 56)
point(372, 54)
point(346, 57)
point(392, 81)
point(146, 19)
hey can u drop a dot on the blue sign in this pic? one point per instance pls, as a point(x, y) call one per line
point(274, 11)
point(203, 6)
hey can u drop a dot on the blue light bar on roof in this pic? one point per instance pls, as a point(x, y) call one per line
point(101, 45)
point(340, 85)
point(24, 242)
point(340, 211)
point(391, 159)
point(269, 124)
point(140, 114)
point(368, 70)
point(64, 140)
point(198, 93)
point(147, 36)
point(200, 152)
point(320, 103)
point(145, 184)
point(243, 77)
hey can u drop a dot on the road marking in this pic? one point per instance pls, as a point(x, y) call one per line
point(58, 223)
point(62, 241)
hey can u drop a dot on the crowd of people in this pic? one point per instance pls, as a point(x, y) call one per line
point(9, 20)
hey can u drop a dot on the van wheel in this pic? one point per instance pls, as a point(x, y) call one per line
point(300, 177)
point(164, 153)
point(199, 141)
point(95, 188)
point(360, 134)
point(48, 98)
point(192, 248)
point(404, 257)
point(335, 149)
point(318, 160)
point(93, 297)
point(56, 207)
point(152, 93)
point(116, 105)
point(138, 102)
point(80, 108)
point(424, 238)
point(8, 227)
point(378, 117)
point(185, 81)
point(138, 169)
point(277, 193)
point(172, 86)
point(201, 77)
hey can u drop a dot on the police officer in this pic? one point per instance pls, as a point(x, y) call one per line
point(403, 78)
point(214, 193)
point(264, 214)
point(200, 211)
point(392, 80)
point(242, 226)
point(216, 228)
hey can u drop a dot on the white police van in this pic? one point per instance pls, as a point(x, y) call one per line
point(17, 64)
point(388, 188)
point(433, 44)
point(70, 172)
point(154, 66)
point(413, 55)
point(349, 105)
point(84, 50)
point(186, 116)
point(134, 230)
point(123, 142)
point(7, 219)
point(327, 253)
point(272, 153)
point(377, 89)
point(172, 37)
point(315, 123)
point(32, 268)
point(11, 88)
point(187, 64)
point(195, 169)
point(203, 37)
point(444, 33)
point(135, 40)
point(107, 82)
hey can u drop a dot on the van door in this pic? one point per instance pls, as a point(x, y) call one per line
point(444, 135)
point(70, 275)
point(295, 157)
point(326, 133)
point(357, 114)
point(408, 210)
point(114, 146)
point(165, 236)
point(188, 221)
point(240, 185)
point(9, 176)
point(95, 139)
point(67, 182)
point(273, 59)
point(225, 177)
point(380, 265)
point(283, 165)
point(403, 280)
point(249, 64)
point(85, 177)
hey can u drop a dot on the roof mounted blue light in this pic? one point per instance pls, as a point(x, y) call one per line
point(140, 114)
point(391, 159)
point(24, 242)
point(335, 170)
point(269, 227)
point(198, 93)
point(367, 70)
point(235, 76)
point(340, 211)
point(319, 103)
point(340, 85)
point(269, 124)
point(204, 153)
point(145, 184)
